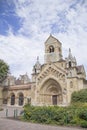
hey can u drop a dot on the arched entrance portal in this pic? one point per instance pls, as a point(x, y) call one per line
point(21, 99)
point(50, 93)
point(12, 99)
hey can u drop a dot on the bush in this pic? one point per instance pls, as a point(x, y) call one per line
point(80, 96)
point(83, 124)
point(75, 114)
point(83, 114)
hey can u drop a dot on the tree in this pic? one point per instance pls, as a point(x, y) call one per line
point(4, 70)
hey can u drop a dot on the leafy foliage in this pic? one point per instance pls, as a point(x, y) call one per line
point(83, 123)
point(4, 69)
point(80, 96)
point(83, 114)
point(75, 114)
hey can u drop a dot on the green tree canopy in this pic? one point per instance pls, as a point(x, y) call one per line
point(4, 70)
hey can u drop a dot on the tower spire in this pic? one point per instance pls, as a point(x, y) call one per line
point(71, 61)
point(37, 58)
point(69, 50)
point(70, 54)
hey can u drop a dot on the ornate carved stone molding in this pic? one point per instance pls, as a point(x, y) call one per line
point(51, 71)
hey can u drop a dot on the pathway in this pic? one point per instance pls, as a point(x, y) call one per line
point(8, 124)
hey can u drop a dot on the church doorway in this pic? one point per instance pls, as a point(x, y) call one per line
point(54, 99)
point(51, 93)
point(12, 99)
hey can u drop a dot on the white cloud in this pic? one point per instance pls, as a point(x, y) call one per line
point(19, 52)
point(69, 19)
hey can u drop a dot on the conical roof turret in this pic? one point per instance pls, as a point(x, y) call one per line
point(70, 59)
point(37, 64)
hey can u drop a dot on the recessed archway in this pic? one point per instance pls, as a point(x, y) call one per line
point(51, 92)
point(12, 99)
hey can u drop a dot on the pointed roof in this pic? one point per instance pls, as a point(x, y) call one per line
point(37, 65)
point(70, 55)
point(80, 69)
point(52, 39)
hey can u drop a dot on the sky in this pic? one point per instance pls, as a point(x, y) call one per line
point(26, 24)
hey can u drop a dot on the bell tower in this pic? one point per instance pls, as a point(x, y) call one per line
point(53, 50)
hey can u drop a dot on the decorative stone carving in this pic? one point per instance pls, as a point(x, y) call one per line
point(50, 71)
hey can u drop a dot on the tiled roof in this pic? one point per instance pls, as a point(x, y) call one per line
point(20, 87)
point(18, 82)
point(79, 68)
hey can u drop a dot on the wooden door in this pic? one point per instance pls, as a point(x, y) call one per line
point(54, 99)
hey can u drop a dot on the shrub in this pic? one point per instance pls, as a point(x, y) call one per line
point(75, 114)
point(83, 124)
point(83, 114)
point(80, 96)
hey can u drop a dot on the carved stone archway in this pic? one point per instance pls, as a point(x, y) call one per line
point(50, 93)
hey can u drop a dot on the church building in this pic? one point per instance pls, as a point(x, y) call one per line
point(52, 83)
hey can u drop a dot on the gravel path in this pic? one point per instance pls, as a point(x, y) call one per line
point(6, 124)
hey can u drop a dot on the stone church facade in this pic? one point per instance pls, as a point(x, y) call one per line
point(52, 83)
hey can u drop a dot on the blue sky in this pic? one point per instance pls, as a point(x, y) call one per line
point(26, 24)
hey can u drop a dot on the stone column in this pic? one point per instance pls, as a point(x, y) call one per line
point(25, 100)
point(9, 101)
point(16, 101)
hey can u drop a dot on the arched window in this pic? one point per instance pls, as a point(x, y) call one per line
point(21, 99)
point(12, 99)
point(70, 64)
point(51, 49)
